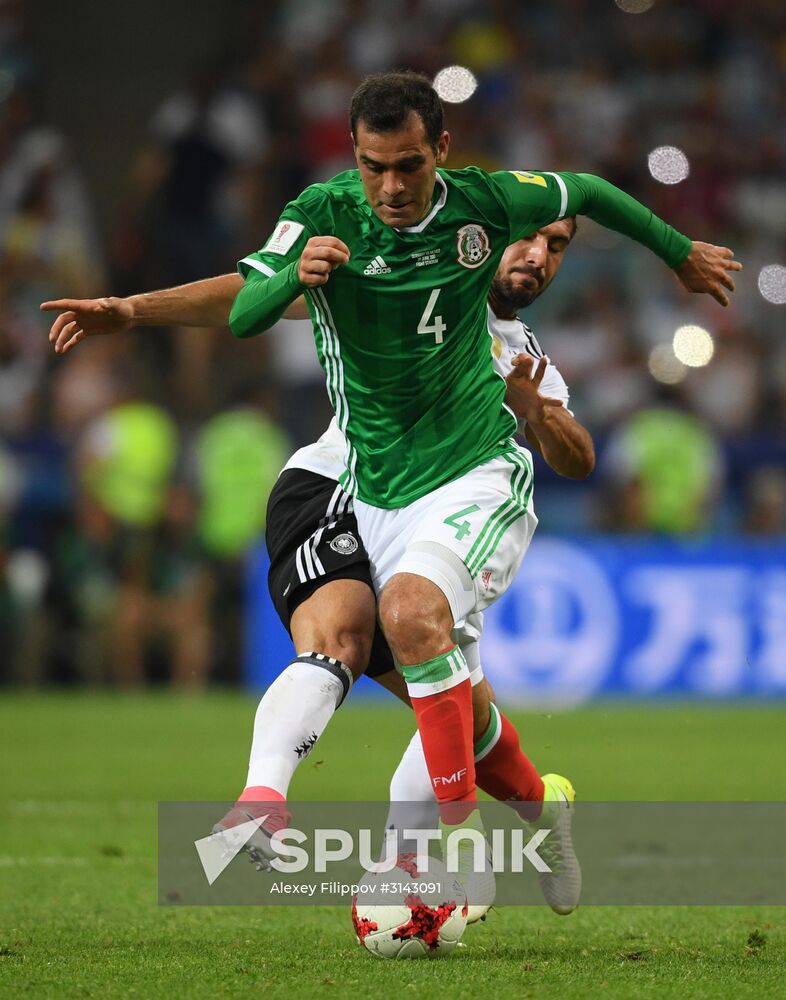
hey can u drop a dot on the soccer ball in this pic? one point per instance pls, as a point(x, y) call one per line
point(405, 913)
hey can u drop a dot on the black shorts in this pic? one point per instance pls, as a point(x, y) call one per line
point(312, 538)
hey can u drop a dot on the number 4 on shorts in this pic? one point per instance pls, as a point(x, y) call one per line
point(463, 528)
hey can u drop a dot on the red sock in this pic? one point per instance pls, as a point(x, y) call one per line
point(508, 775)
point(445, 723)
point(268, 801)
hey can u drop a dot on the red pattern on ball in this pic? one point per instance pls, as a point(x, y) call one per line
point(425, 922)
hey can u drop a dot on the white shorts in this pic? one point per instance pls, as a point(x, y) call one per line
point(468, 537)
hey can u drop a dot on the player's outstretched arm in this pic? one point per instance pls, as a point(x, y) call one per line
point(707, 269)
point(262, 300)
point(564, 443)
point(200, 303)
point(700, 267)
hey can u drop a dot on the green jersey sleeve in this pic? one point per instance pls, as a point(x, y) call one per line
point(531, 200)
point(610, 207)
point(262, 300)
point(534, 199)
point(271, 282)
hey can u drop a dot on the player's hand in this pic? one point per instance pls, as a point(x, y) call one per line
point(80, 318)
point(707, 269)
point(321, 255)
point(523, 395)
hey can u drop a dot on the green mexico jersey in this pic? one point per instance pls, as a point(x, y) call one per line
point(401, 329)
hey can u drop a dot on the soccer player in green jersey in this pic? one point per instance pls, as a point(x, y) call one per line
point(395, 259)
point(325, 598)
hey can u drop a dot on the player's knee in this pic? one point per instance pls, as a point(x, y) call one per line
point(351, 646)
point(353, 649)
point(415, 618)
point(338, 621)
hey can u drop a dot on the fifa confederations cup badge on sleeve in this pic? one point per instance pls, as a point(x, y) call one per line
point(473, 246)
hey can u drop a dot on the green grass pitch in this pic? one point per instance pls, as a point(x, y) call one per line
point(81, 776)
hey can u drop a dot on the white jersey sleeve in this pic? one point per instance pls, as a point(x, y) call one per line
point(510, 337)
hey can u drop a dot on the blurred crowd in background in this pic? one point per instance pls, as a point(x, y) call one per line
point(134, 471)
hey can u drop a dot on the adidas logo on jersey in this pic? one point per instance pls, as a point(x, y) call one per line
point(377, 266)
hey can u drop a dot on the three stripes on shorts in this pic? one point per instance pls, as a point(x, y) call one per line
point(307, 562)
point(508, 512)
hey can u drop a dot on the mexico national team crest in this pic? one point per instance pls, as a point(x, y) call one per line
point(472, 245)
point(344, 544)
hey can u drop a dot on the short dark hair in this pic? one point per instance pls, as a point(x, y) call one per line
point(384, 102)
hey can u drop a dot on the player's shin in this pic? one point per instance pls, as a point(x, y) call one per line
point(442, 699)
point(504, 771)
point(290, 718)
point(412, 803)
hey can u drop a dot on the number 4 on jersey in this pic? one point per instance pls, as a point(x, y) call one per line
point(439, 326)
point(464, 528)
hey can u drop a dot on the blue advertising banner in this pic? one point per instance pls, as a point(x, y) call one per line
point(613, 617)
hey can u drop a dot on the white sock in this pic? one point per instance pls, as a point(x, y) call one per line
point(413, 804)
point(292, 715)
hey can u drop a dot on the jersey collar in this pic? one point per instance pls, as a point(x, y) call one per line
point(443, 197)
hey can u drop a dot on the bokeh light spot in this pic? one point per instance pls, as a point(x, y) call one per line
point(693, 346)
point(668, 164)
point(634, 6)
point(772, 283)
point(664, 366)
point(455, 84)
